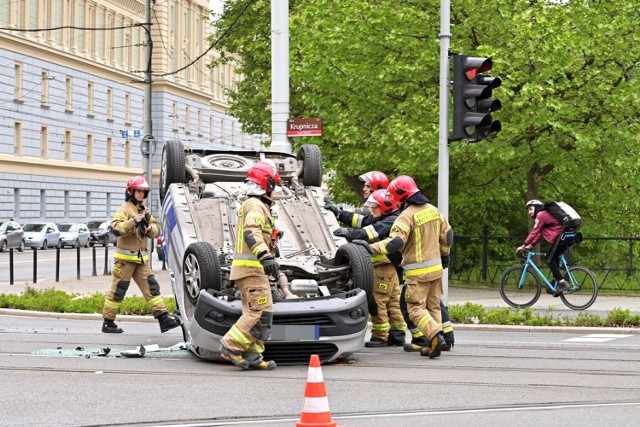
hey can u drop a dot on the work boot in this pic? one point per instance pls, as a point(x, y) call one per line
point(396, 338)
point(256, 362)
point(167, 322)
point(562, 286)
point(447, 346)
point(235, 358)
point(376, 342)
point(434, 349)
point(416, 345)
point(110, 327)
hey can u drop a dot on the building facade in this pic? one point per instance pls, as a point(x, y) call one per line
point(72, 101)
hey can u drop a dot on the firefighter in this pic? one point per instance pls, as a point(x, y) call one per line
point(373, 180)
point(132, 224)
point(423, 236)
point(388, 325)
point(253, 264)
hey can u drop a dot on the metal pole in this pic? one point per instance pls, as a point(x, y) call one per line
point(280, 75)
point(443, 140)
point(147, 124)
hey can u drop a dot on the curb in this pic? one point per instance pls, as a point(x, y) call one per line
point(456, 326)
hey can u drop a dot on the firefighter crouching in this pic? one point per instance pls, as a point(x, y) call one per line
point(132, 224)
point(253, 263)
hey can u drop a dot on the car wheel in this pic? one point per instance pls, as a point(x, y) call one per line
point(3, 246)
point(45, 245)
point(87, 243)
point(361, 268)
point(201, 270)
point(21, 247)
point(76, 244)
point(311, 158)
point(59, 245)
point(172, 166)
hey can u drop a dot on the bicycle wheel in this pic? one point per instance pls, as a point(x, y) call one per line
point(583, 290)
point(516, 295)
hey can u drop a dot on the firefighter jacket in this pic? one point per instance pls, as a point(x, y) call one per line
point(254, 238)
point(423, 236)
point(372, 229)
point(130, 246)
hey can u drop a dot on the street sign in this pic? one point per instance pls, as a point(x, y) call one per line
point(304, 127)
point(147, 144)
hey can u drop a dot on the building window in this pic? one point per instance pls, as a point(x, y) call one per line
point(222, 141)
point(44, 96)
point(174, 115)
point(16, 203)
point(109, 151)
point(108, 213)
point(127, 109)
point(17, 93)
point(110, 104)
point(68, 146)
point(43, 203)
point(89, 148)
point(90, 99)
point(187, 119)
point(211, 133)
point(127, 153)
point(199, 122)
point(17, 139)
point(44, 142)
point(68, 104)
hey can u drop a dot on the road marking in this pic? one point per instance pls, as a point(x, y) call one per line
point(593, 338)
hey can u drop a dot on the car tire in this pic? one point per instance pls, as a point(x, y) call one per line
point(3, 246)
point(361, 268)
point(172, 166)
point(200, 270)
point(311, 158)
point(21, 247)
point(45, 245)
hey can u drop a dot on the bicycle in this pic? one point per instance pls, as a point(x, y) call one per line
point(520, 285)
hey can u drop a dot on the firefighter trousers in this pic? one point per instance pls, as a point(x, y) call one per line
point(386, 292)
point(253, 327)
point(423, 304)
point(142, 274)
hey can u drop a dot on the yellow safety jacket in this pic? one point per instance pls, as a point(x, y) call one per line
point(129, 247)
point(424, 232)
point(255, 226)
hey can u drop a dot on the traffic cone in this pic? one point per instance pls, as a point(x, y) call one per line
point(315, 405)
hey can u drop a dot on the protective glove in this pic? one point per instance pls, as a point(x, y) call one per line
point(333, 208)
point(342, 232)
point(364, 244)
point(445, 261)
point(271, 267)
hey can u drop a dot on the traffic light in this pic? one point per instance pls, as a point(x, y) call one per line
point(472, 103)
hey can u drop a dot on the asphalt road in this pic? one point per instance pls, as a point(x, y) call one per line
point(52, 376)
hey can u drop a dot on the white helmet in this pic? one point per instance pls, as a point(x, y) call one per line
point(534, 202)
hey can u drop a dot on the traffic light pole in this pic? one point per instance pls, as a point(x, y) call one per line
point(443, 139)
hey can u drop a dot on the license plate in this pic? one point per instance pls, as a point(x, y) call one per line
point(295, 333)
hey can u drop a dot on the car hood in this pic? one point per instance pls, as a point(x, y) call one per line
point(34, 234)
point(68, 234)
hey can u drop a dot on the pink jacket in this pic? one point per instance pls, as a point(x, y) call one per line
point(546, 227)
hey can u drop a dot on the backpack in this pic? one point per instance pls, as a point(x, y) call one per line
point(564, 213)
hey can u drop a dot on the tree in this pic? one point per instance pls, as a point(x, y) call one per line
point(370, 70)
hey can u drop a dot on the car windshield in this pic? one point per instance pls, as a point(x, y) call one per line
point(34, 227)
point(94, 225)
point(104, 226)
point(3, 225)
point(68, 227)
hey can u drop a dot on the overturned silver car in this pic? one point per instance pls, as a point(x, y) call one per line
point(321, 299)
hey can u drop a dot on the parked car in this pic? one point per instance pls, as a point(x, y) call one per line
point(11, 236)
point(100, 233)
point(74, 234)
point(321, 299)
point(41, 235)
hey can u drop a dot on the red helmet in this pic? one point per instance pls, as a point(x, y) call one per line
point(265, 175)
point(378, 198)
point(402, 187)
point(378, 180)
point(137, 183)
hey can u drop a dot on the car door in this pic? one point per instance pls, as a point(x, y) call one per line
point(52, 235)
point(83, 234)
point(11, 235)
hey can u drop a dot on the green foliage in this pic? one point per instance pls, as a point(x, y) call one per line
point(371, 71)
point(51, 300)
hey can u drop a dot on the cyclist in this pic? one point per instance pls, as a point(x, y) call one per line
point(547, 227)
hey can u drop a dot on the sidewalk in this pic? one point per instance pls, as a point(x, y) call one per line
point(488, 298)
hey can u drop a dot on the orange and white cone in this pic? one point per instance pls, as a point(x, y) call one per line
point(315, 406)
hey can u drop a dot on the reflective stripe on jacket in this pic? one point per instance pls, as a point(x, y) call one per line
point(129, 247)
